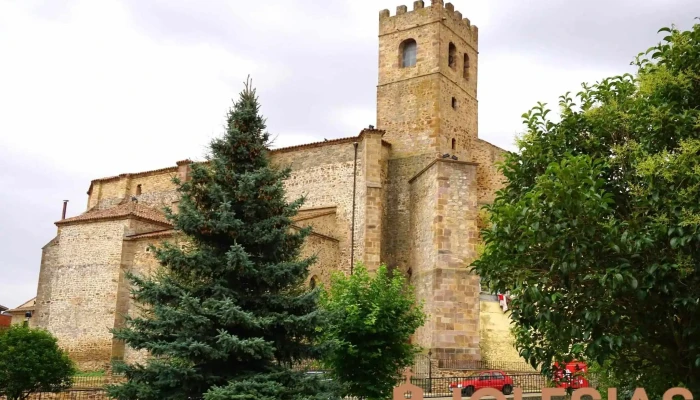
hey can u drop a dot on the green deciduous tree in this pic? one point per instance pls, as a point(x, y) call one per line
point(597, 232)
point(370, 320)
point(229, 312)
point(30, 362)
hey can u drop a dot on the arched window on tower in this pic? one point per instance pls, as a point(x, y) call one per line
point(452, 60)
point(138, 190)
point(312, 282)
point(408, 51)
point(466, 66)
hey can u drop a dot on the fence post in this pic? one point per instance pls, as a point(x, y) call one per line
point(430, 371)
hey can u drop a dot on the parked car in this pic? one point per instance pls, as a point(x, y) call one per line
point(495, 379)
point(571, 375)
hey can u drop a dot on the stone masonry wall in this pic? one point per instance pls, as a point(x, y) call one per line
point(456, 292)
point(489, 179)
point(324, 175)
point(49, 263)
point(157, 189)
point(373, 198)
point(444, 241)
point(79, 286)
point(396, 237)
point(459, 123)
point(423, 202)
point(322, 222)
point(83, 290)
point(408, 113)
point(327, 256)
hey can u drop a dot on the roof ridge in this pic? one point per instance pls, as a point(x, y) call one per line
point(274, 150)
point(120, 211)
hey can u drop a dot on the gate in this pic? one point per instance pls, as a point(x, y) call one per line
point(421, 367)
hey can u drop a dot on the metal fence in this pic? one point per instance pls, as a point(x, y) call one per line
point(440, 387)
point(470, 365)
point(88, 394)
point(95, 382)
point(432, 387)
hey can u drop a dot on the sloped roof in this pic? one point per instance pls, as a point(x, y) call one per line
point(149, 235)
point(27, 305)
point(3, 308)
point(342, 140)
point(311, 213)
point(130, 209)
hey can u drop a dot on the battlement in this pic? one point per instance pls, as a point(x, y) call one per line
point(422, 15)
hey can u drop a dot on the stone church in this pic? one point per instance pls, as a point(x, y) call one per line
point(406, 193)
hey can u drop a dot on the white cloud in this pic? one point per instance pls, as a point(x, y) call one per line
point(93, 82)
point(511, 84)
point(354, 119)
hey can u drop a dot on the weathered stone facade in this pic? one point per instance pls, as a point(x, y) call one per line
point(418, 180)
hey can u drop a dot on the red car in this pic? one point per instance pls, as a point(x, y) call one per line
point(495, 379)
point(571, 375)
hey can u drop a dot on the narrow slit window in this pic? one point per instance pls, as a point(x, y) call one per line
point(452, 60)
point(454, 143)
point(454, 103)
point(138, 190)
point(465, 73)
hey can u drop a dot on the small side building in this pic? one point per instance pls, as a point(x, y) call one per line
point(5, 319)
point(23, 313)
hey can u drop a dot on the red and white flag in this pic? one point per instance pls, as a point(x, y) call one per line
point(503, 301)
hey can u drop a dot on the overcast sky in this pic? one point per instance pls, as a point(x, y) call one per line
point(93, 88)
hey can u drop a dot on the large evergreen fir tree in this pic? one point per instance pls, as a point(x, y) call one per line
point(228, 313)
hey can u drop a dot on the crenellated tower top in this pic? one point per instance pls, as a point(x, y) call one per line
point(427, 89)
point(422, 15)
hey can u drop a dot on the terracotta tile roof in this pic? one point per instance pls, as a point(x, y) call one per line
point(149, 235)
point(130, 209)
point(329, 142)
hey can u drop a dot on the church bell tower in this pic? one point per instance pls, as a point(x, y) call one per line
point(426, 94)
point(426, 104)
